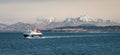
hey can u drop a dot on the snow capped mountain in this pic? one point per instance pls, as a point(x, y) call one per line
point(51, 22)
point(51, 19)
point(84, 18)
point(46, 19)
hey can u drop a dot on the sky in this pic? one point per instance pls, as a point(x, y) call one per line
point(13, 11)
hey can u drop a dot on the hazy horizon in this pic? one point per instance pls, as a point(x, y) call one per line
point(12, 11)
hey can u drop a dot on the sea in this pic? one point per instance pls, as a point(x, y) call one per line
point(60, 43)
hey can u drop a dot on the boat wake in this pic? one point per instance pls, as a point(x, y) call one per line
point(48, 37)
point(51, 37)
point(76, 36)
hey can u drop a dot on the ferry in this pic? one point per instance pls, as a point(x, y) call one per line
point(33, 34)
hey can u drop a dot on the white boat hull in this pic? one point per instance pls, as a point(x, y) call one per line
point(33, 34)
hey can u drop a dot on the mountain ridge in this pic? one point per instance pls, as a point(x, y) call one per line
point(51, 23)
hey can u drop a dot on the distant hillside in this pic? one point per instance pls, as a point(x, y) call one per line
point(87, 29)
point(17, 27)
point(21, 27)
point(2, 25)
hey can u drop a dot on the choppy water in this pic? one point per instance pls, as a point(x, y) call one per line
point(61, 44)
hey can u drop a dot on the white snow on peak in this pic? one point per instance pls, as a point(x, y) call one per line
point(86, 18)
point(46, 19)
point(51, 19)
